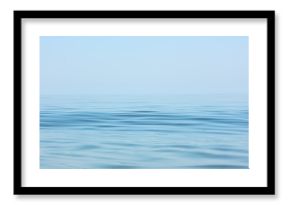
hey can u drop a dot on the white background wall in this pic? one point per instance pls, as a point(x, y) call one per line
point(282, 8)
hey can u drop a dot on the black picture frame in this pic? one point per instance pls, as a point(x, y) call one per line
point(19, 189)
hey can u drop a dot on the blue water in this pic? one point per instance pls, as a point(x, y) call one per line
point(144, 132)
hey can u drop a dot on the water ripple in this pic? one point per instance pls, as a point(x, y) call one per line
point(143, 135)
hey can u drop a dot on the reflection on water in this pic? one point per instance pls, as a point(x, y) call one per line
point(124, 132)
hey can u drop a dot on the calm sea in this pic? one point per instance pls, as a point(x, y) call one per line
point(144, 132)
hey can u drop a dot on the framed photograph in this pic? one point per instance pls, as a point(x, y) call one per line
point(144, 102)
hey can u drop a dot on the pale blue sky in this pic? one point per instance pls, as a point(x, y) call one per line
point(143, 65)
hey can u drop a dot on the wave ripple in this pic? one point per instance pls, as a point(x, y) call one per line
point(142, 134)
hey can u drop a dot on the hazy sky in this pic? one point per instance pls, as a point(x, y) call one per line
point(143, 65)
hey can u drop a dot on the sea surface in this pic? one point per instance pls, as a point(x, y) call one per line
point(144, 132)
